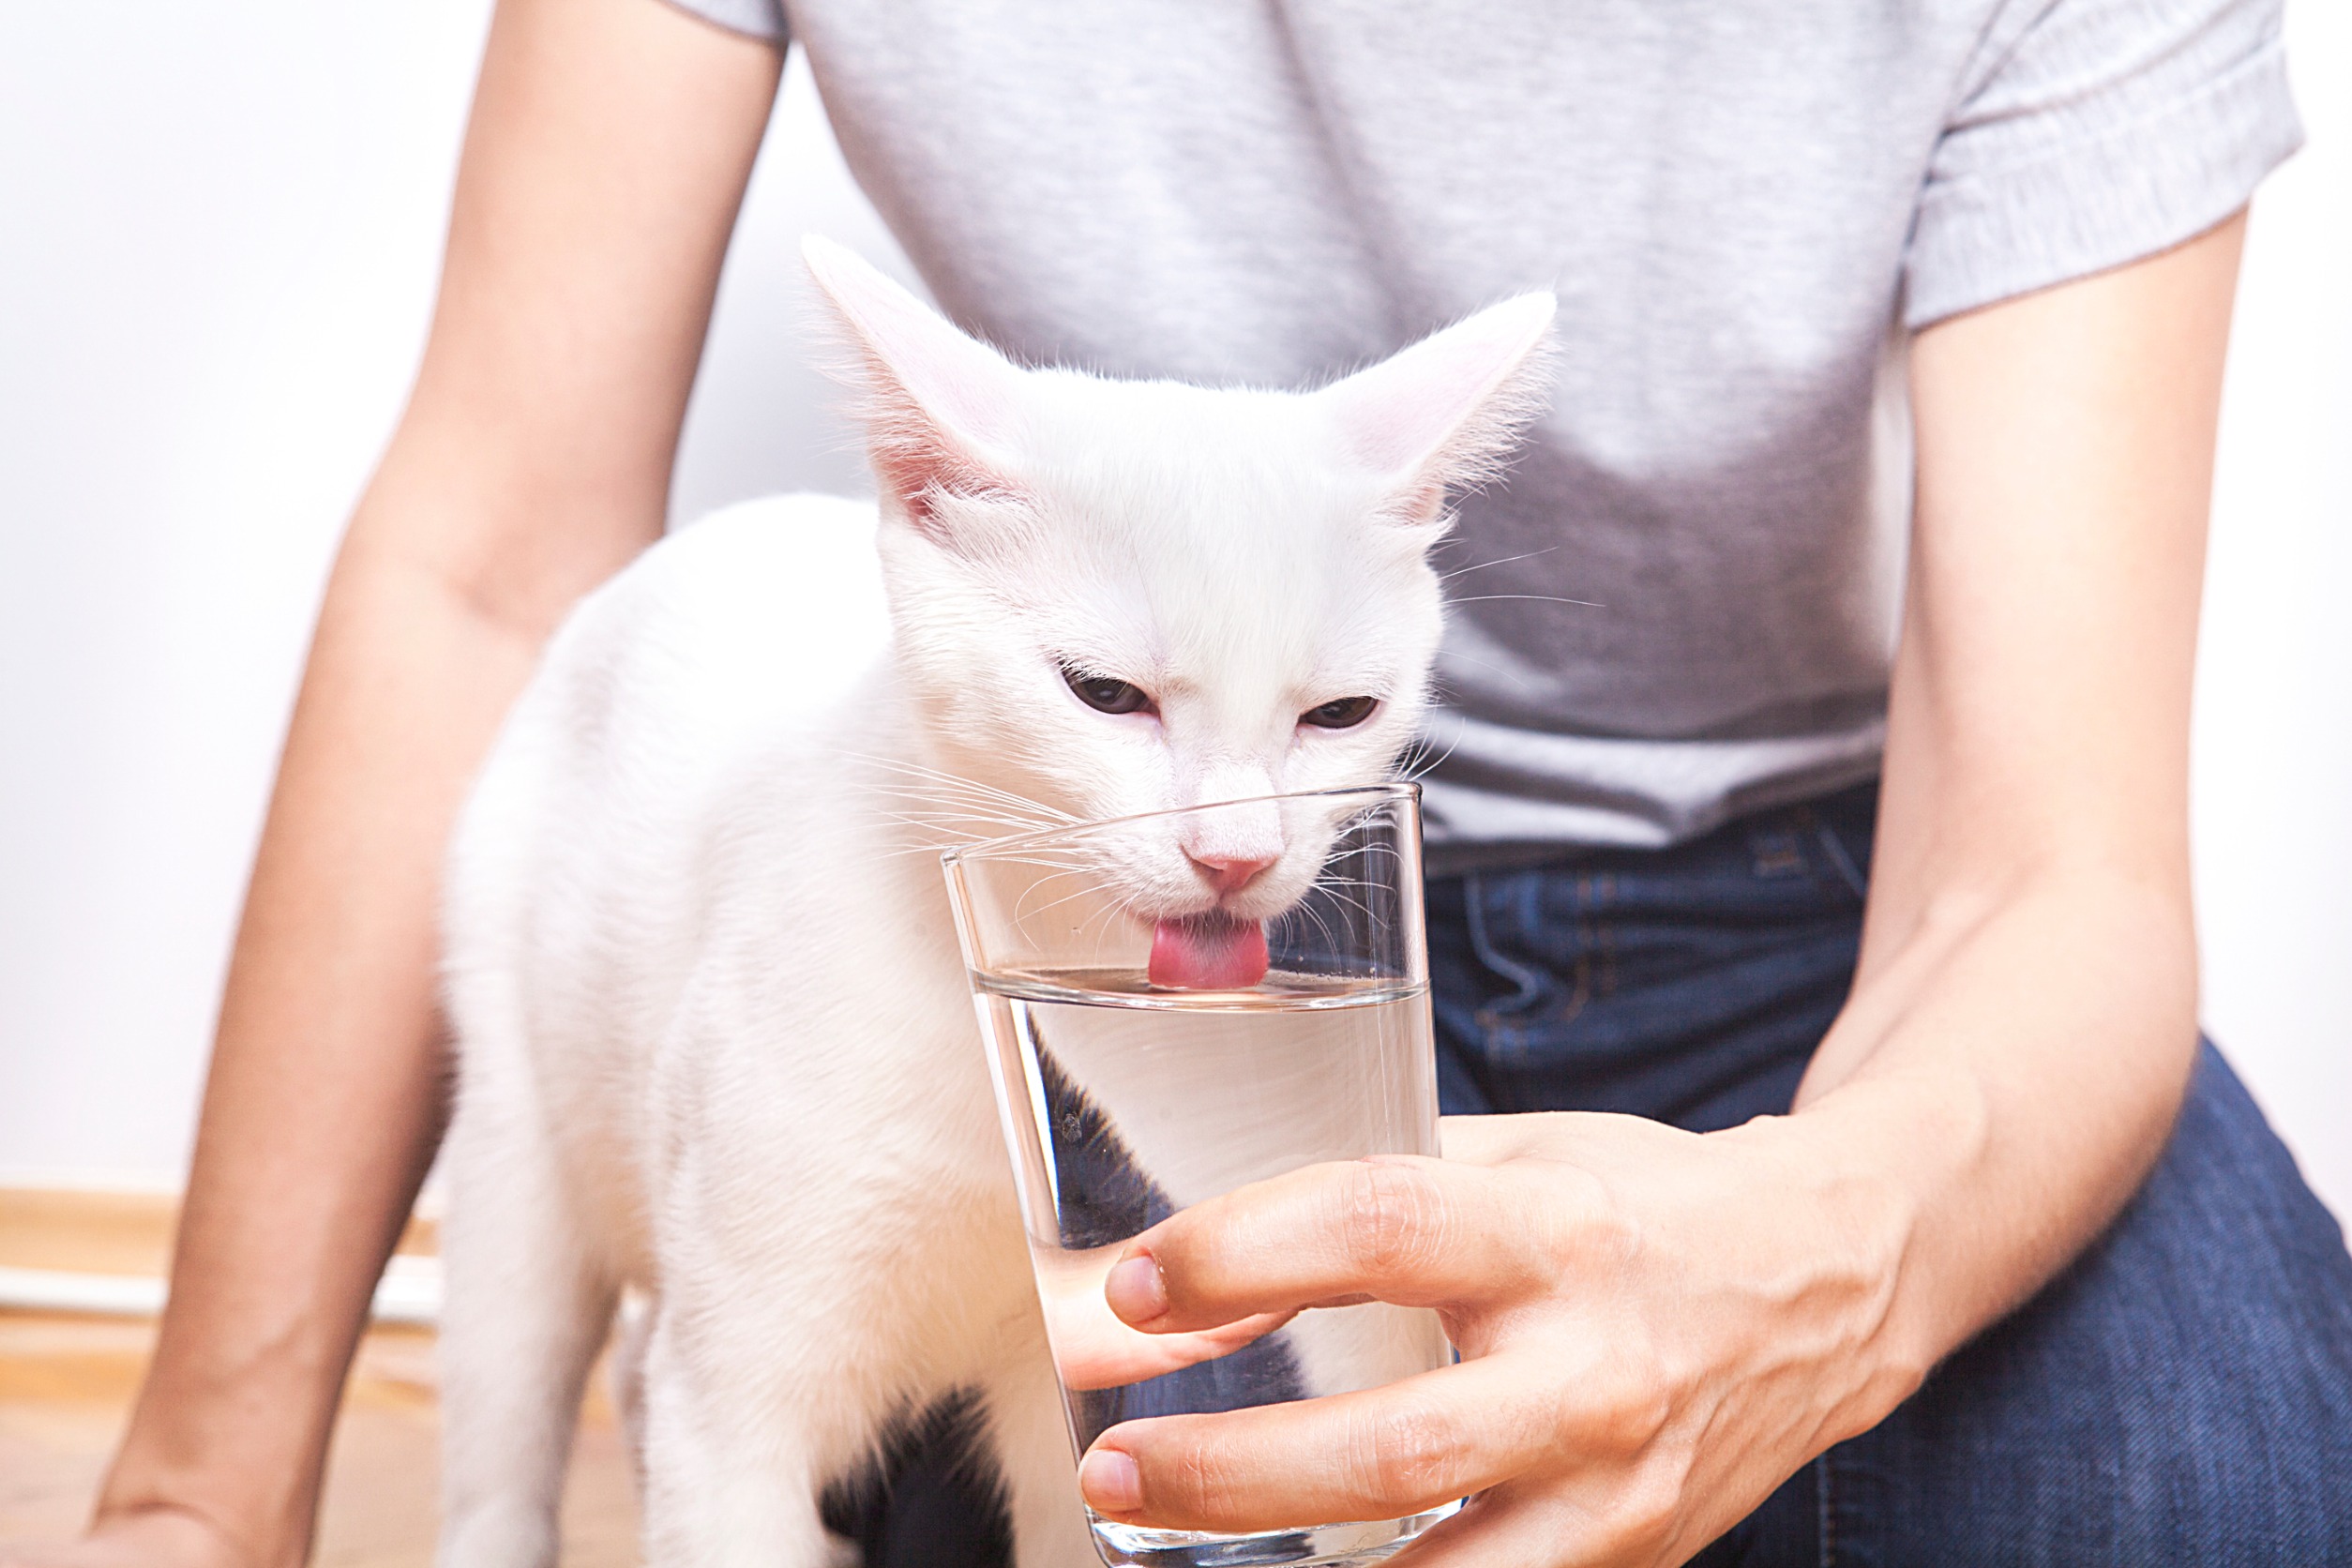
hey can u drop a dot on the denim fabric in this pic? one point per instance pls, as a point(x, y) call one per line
point(1689, 984)
point(2181, 1394)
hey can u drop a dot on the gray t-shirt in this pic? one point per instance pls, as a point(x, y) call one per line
point(1680, 606)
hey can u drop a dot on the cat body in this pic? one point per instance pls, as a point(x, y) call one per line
point(716, 1048)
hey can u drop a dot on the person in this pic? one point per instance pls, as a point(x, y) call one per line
point(1810, 903)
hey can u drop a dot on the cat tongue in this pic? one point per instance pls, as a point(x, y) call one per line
point(1208, 953)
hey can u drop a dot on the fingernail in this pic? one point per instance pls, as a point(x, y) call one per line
point(1136, 1290)
point(1109, 1482)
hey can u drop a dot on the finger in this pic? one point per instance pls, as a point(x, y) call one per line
point(1092, 1348)
point(1381, 1454)
point(1418, 1233)
point(1107, 1354)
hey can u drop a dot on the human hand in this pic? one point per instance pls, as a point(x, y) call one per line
point(1092, 1349)
point(150, 1538)
point(1656, 1327)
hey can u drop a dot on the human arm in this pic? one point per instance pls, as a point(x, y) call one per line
point(1657, 1326)
point(607, 153)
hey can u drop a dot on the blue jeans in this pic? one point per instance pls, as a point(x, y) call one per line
point(2181, 1394)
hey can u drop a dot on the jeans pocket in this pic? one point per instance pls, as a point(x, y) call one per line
point(1553, 972)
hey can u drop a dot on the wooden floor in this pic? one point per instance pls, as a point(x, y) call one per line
point(66, 1382)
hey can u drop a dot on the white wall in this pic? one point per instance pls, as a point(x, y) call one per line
point(222, 227)
point(2273, 771)
point(220, 234)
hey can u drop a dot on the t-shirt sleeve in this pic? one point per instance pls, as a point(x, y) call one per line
point(2089, 133)
point(761, 19)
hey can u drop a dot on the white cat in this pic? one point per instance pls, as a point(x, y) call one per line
point(715, 1042)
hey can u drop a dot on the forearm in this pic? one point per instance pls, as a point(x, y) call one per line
point(2024, 1018)
point(326, 1095)
point(608, 151)
point(1998, 1088)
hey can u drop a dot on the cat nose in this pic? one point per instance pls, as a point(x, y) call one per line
point(1227, 875)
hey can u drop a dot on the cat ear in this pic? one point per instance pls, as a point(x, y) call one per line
point(937, 406)
point(1448, 409)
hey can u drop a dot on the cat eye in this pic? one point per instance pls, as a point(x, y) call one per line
point(1342, 712)
point(1105, 695)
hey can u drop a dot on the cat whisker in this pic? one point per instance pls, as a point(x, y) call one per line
point(1507, 560)
point(971, 786)
point(1104, 914)
point(1541, 598)
point(978, 805)
point(1019, 914)
point(1323, 926)
point(1420, 763)
point(1436, 679)
point(976, 822)
point(1357, 904)
point(953, 828)
point(950, 825)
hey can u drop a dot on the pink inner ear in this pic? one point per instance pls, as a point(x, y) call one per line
point(938, 404)
point(1445, 410)
point(1409, 421)
point(917, 458)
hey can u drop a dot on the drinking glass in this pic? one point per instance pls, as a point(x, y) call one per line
point(1175, 1005)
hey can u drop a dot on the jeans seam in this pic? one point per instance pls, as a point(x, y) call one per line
point(1825, 1519)
point(1834, 847)
point(1588, 942)
point(1528, 980)
point(1604, 939)
point(1582, 997)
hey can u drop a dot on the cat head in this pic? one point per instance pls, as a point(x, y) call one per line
point(1115, 598)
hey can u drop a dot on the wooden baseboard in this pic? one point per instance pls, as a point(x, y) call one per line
point(66, 1382)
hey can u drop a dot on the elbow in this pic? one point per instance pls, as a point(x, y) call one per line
point(510, 553)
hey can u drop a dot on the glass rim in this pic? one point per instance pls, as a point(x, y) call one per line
point(989, 849)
